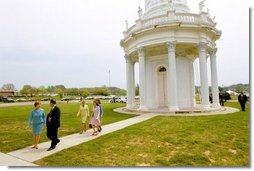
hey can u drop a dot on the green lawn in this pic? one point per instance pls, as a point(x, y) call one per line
point(234, 97)
point(14, 135)
point(221, 140)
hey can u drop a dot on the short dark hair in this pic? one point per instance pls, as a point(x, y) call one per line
point(52, 101)
point(36, 103)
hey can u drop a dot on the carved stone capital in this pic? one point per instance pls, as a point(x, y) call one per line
point(127, 58)
point(140, 51)
point(202, 46)
point(213, 52)
point(171, 45)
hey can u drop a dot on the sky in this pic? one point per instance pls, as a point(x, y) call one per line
point(77, 42)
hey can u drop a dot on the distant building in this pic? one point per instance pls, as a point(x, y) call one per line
point(7, 93)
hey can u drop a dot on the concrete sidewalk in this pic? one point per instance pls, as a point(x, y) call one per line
point(30, 155)
point(7, 160)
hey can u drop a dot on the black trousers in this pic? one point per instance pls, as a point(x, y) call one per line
point(52, 135)
point(243, 106)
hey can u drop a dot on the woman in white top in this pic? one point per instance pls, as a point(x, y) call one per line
point(84, 113)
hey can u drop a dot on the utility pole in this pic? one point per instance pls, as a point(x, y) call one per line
point(109, 78)
point(109, 83)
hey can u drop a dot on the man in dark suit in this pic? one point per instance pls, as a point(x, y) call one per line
point(53, 123)
point(242, 99)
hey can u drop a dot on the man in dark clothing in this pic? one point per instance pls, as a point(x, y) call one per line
point(53, 123)
point(242, 99)
point(211, 98)
point(221, 99)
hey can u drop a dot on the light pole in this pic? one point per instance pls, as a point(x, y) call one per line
point(109, 78)
point(109, 83)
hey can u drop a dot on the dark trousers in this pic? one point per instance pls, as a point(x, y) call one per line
point(52, 135)
point(243, 106)
point(221, 102)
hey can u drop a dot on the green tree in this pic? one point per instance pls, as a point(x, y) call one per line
point(60, 92)
point(36, 91)
point(221, 89)
point(42, 90)
point(122, 92)
point(51, 89)
point(72, 91)
point(8, 86)
point(27, 90)
point(102, 91)
point(83, 92)
point(62, 87)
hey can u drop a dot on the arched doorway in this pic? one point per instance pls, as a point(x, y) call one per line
point(162, 87)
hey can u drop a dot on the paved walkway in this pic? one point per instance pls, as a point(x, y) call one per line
point(29, 155)
point(7, 160)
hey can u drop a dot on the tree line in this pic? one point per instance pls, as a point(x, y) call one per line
point(61, 90)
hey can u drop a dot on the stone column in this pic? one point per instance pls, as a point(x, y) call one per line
point(128, 81)
point(172, 83)
point(142, 79)
point(214, 78)
point(203, 76)
point(192, 75)
point(133, 84)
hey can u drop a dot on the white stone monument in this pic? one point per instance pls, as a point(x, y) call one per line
point(166, 46)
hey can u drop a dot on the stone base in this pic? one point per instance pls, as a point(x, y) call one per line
point(173, 108)
point(216, 105)
point(181, 112)
point(197, 109)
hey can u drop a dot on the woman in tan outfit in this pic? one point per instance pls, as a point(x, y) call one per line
point(84, 113)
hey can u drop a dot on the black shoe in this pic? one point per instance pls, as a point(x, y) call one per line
point(99, 129)
point(58, 141)
point(50, 148)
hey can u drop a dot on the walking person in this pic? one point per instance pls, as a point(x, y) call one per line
point(84, 113)
point(101, 114)
point(211, 98)
point(242, 99)
point(95, 120)
point(221, 99)
point(53, 123)
point(37, 120)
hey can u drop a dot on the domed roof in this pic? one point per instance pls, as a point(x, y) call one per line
point(160, 7)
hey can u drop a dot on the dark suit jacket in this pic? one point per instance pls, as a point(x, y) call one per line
point(242, 98)
point(55, 117)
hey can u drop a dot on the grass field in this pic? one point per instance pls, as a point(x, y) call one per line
point(220, 140)
point(14, 134)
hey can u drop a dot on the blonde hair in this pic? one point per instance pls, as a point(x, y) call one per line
point(83, 102)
